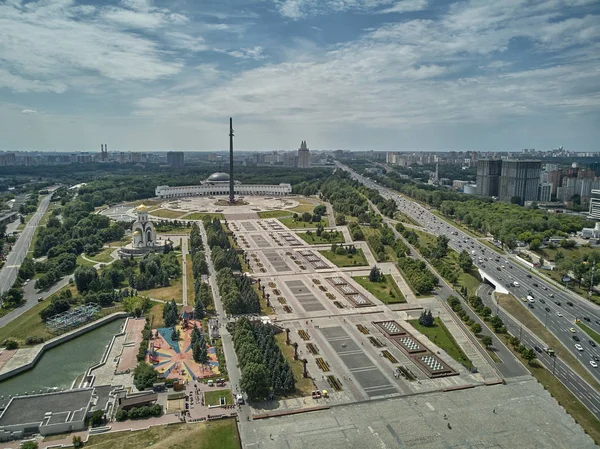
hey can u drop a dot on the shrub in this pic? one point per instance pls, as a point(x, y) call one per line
point(10, 344)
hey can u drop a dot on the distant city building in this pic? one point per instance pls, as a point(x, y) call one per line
point(217, 184)
point(303, 155)
point(470, 189)
point(8, 159)
point(545, 192)
point(459, 185)
point(488, 177)
point(175, 158)
point(519, 179)
point(595, 205)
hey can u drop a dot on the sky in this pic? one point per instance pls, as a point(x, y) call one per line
point(406, 75)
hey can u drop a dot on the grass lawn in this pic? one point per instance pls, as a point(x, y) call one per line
point(81, 262)
point(214, 397)
point(565, 398)
point(314, 239)
point(522, 314)
point(303, 386)
point(103, 256)
point(275, 213)
point(573, 253)
point(167, 213)
point(155, 314)
point(390, 254)
point(591, 332)
point(290, 223)
point(201, 215)
point(30, 323)
point(264, 310)
point(442, 338)
point(386, 291)
point(306, 205)
point(357, 259)
point(222, 434)
point(173, 291)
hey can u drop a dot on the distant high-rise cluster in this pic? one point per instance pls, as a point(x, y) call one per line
point(103, 152)
point(175, 158)
point(303, 155)
point(510, 180)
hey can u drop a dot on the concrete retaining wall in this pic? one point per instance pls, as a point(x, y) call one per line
point(59, 340)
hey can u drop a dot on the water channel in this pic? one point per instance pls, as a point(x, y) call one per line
point(59, 367)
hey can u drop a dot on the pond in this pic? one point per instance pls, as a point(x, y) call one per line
point(59, 367)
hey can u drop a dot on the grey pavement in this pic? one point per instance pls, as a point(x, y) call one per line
point(517, 415)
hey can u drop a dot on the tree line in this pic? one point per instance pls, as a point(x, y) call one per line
point(237, 295)
point(264, 369)
point(222, 252)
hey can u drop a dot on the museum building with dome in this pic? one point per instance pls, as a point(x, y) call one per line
point(217, 184)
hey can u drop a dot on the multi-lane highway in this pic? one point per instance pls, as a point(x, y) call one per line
point(553, 306)
point(9, 271)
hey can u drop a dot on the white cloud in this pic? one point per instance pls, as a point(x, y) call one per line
point(299, 9)
point(255, 53)
point(405, 6)
point(29, 111)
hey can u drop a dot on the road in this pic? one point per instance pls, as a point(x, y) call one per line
point(581, 389)
point(8, 273)
point(245, 412)
point(551, 305)
point(560, 317)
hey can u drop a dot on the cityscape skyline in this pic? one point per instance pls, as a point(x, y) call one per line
point(379, 74)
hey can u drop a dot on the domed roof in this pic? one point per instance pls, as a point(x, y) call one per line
point(141, 208)
point(218, 177)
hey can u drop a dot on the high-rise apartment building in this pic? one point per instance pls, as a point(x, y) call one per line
point(545, 194)
point(303, 155)
point(519, 179)
point(175, 158)
point(488, 176)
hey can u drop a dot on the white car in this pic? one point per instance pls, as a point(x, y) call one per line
point(594, 364)
point(579, 347)
point(559, 314)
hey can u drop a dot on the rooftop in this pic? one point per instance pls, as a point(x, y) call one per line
point(33, 409)
point(218, 177)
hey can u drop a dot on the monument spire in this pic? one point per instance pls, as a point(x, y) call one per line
point(231, 195)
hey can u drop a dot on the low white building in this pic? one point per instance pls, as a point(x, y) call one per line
point(217, 184)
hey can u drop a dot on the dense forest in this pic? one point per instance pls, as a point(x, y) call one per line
point(264, 369)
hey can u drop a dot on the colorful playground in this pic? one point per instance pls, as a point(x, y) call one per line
point(174, 359)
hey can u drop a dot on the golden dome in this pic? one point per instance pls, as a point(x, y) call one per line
point(136, 232)
point(141, 208)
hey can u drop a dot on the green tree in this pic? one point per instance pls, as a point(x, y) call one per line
point(255, 381)
point(198, 310)
point(426, 318)
point(84, 276)
point(476, 328)
point(529, 355)
point(340, 220)
point(375, 274)
point(320, 210)
point(464, 261)
point(77, 442)
point(144, 376)
point(487, 341)
point(29, 445)
point(97, 418)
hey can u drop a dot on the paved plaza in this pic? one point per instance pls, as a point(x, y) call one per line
point(518, 415)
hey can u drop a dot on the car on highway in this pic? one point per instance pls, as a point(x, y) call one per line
point(570, 303)
point(547, 309)
point(594, 364)
point(559, 314)
point(534, 284)
point(571, 329)
point(529, 276)
point(576, 338)
point(542, 300)
point(537, 349)
point(551, 295)
point(592, 343)
point(545, 288)
point(530, 306)
point(587, 319)
point(515, 284)
point(579, 347)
